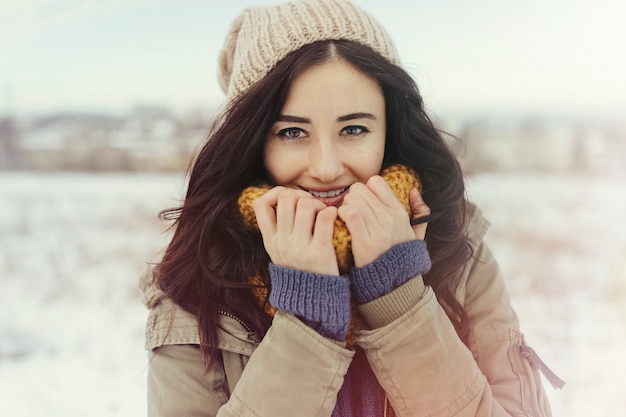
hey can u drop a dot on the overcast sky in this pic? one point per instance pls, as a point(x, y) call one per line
point(563, 57)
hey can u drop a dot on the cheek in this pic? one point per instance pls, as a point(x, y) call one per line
point(375, 156)
point(277, 164)
point(270, 163)
point(381, 151)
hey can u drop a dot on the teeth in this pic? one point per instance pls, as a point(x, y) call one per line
point(326, 194)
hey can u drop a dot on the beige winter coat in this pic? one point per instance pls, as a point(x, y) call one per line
point(412, 348)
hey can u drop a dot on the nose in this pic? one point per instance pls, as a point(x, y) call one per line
point(325, 161)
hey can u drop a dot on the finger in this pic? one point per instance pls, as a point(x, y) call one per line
point(270, 197)
point(304, 219)
point(354, 221)
point(419, 211)
point(286, 211)
point(265, 214)
point(381, 189)
point(383, 201)
point(265, 209)
point(325, 225)
point(363, 201)
point(418, 206)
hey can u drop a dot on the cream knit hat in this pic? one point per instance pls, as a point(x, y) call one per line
point(260, 37)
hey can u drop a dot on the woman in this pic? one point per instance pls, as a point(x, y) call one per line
point(258, 322)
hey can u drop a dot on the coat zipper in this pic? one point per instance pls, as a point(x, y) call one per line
point(156, 300)
point(163, 296)
point(237, 319)
point(536, 362)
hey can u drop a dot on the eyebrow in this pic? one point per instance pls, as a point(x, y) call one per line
point(292, 119)
point(352, 116)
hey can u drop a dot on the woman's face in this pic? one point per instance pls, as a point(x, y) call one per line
point(330, 133)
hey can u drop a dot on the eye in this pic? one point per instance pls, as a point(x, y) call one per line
point(354, 130)
point(291, 133)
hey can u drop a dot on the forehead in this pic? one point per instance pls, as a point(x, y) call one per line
point(335, 86)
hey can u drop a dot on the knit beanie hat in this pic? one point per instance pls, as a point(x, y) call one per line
point(260, 37)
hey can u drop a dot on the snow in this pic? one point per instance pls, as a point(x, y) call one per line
point(72, 247)
point(71, 322)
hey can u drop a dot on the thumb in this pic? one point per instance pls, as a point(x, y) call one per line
point(420, 214)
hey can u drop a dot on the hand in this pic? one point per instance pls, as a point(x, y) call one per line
point(419, 209)
point(377, 220)
point(299, 232)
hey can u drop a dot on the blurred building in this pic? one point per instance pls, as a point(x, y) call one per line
point(542, 146)
point(152, 138)
point(148, 139)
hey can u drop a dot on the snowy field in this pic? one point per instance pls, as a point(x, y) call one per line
point(73, 245)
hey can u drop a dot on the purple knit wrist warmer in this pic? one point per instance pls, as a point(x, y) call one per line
point(392, 269)
point(320, 301)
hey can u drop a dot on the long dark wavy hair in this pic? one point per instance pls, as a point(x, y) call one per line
point(207, 266)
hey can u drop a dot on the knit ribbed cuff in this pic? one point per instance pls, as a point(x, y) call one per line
point(320, 301)
point(392, 269)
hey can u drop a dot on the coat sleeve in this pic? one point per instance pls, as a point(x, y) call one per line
point(292, 362)
point(426, 369)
